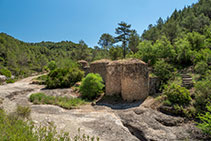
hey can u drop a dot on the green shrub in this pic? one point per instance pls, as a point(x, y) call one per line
point(177, 94)
point(10, 81)
point(5, 72)
point(52, 65)
point(205, 123)
point(203, 93)
point(163, 70)
point(91, 86)
point(167, 103)
point(63, 78)
point(65, 102)
point(201, 67)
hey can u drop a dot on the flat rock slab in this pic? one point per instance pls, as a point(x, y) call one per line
point(103, 124)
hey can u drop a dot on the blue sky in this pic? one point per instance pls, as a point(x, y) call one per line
point(56, 20)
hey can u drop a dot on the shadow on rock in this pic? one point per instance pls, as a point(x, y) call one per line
point(117, 103)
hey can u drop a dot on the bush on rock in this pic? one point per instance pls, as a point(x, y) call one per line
point(91, 86)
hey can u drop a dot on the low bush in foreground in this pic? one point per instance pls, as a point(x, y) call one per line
point(63, 78)
point(177, 94)
point(64, 102)
point(91, 86)
point(23, 111)
point(16, 129)
point(205, 124)
point(203, 93)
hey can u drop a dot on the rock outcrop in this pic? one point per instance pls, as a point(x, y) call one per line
point(150, 125)
point(84, 65)
point(128, 78)
point(154, 84)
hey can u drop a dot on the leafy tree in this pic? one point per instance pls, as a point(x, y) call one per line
point(134, 40)
point(115, 53)
point(52, 65)
point(164, 49)
point(123, 32)
point(83, 52)
point(160, 23)
point(106, 41)
point(196, 40)
point(201, 67)
point(183, 51)
point(163, 70)
point(146, 52)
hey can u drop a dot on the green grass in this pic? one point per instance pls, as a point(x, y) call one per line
point(40, 80)
point(43, 77)
point(64, 102)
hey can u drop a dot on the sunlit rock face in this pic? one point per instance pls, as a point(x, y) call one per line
point(128, 78)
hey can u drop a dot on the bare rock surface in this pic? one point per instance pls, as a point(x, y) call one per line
point(147, 124)
point(110, 122)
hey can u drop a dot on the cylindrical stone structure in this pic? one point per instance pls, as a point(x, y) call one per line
point(134, 81)
point(113, 77)
point(100, 68)
point(128, 78)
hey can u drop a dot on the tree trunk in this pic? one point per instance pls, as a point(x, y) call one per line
point(124, 48)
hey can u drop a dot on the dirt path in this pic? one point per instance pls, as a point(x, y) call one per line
point(109, 122)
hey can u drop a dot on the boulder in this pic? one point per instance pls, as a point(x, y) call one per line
point(83, 63)
point(128, 78)
point(154, 84)
point(12, 77)
point(100, 68)
point(2, 78)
